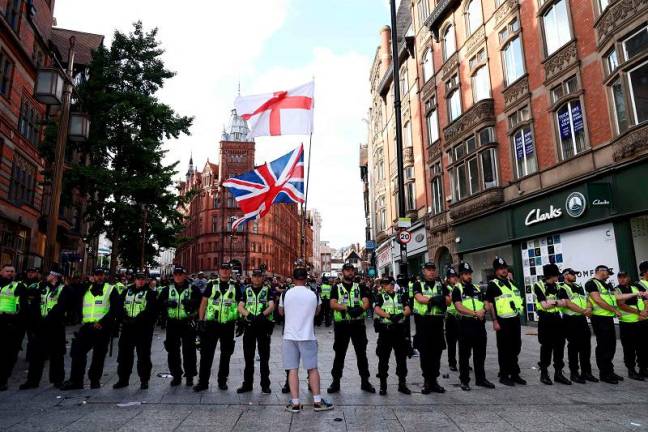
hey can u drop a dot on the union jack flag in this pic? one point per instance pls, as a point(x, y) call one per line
point(279, 181)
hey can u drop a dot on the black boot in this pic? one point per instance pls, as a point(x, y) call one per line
point(176, 381)
point(560, 378)
point(144, 385)
point(517, 379)
point(120, 384)
point(544, 377)
point(333, 388)
point(589, 377)
point(402, 386)
point(465, 386)
point(201, 386)
point(366, 386)
point(383, 387)
point(485, 383)
point(575, 377)
point(189, 381)
point(222, 385)
point(634, 375)
point(432, 386)
point(245, 387)
point(71, 385)
point(32, 385)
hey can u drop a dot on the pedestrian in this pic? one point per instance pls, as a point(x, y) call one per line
point(101, 307)
point(633, 311)
point(575, 312)
point(431, 299)
point(256, 307)
point(349, 303)
point(200, 282)
point(217, 314)
point(13, 297)
point(468, 299)
point(643, 282)
point(49, 333)
point(179, 303)
point(138, 319)
point(325, 294)
point(452, 321)
point(392, 309)
point(299, 305)
point(551, 331)
point(504, 303)
point(30, 312)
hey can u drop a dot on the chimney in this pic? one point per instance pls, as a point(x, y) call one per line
point(385, 49)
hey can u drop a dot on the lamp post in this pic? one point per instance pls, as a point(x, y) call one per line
point(231, 236)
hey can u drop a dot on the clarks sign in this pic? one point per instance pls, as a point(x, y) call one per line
point(536, 215)
point(575, 205)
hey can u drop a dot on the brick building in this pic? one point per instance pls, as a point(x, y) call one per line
point(534, 130)
point(273, 241)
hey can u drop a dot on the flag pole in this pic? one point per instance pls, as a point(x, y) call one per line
point(304, 205)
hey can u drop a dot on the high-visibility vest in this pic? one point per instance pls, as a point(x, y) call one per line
point(135, 302)
point(49, 299)
point(9, 303)
point(392, 304)
point(508, 296)
point(96, 307)
point(222, 307)
point(575, 297)
point(429, 291)
point(120, 287)
point(179, 311)
point(543, 288)
point(474, 302)
point(452, 310)
point(607, 295)
point(326, 291)
point(628, 317)
point(350, 299)
point(644, 283)
point(256, 303)
point(410, 290)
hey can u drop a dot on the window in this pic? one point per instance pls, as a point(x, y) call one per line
point(381, 215)
point(518, 117)
point(410, 196)
point(12, 14)
point(481, 84)
point(473, 16)
point(428, 65)
point(6, 70)
point(423, 11)
point(524, 151)
point(636, 43)
point(611, 61)
point(215, 224)
point(453, 98)
point(449, 42)
point(23, 181)
point(437, 189)
point(513, 60)
point(569, 86)
point(620, 112)
point(255, 227)
point(555, 24)
point(475, 165)
point(432, 121)
point(404, 84)
point(231, 201)
point(638, 78)
point(489, 168)
point(29, 122)
point(407, 135)
point(571, 128)
point(477, 60)
point(216, 201)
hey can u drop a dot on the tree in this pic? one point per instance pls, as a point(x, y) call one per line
point(130, 190)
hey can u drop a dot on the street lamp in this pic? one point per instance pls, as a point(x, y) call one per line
point(79, 129)
point(231, 221)
point(49, 86)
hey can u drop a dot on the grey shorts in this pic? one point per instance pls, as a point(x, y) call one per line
point(293, 351)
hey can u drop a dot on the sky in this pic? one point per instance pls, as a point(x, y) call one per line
point(265, 45)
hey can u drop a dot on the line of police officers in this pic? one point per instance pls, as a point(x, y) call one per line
point(563, 308)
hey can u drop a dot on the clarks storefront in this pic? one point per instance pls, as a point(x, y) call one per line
point(601, 221)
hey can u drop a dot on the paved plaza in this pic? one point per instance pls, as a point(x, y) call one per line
point(536, 407)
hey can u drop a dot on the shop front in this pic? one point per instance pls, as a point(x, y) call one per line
point(600, 221)
point(416, 250)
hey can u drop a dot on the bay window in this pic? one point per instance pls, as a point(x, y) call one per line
point(512, 55)
point(428, 65)
point(555, 25)
point(475, 165)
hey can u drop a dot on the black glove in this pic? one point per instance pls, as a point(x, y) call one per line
point(260, 318)
point(186, 303)
point(396, 319)
point(240, 328)
point(172, 303)
point(249, 318)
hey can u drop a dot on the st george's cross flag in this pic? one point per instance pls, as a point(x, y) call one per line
point(287, 112)
point(279, 181)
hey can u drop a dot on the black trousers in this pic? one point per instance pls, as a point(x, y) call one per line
point(392, 338)
point(257, 335)
point(11, 336)
point(48, 344)
point(86, 339)
point(431, 343)
point(579, 346)
point(135, 337)
point(633, 341)
point(605, 344)
point(325, 314)
point(353, 331)
point(209, 338)
point(551, 336)
point(452, 337)
point(472, 340)
point(509, 344)
point(181, 334)
point(643, 347)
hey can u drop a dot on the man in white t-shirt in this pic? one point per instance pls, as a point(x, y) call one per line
point(299, 305)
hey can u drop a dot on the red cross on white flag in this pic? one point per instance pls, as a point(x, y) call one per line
point(279, 113)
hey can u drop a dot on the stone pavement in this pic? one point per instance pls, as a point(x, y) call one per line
point(590, 407)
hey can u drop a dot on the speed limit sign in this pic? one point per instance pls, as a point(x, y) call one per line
point(404, 237)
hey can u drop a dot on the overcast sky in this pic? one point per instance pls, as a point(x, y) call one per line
point(267, 45)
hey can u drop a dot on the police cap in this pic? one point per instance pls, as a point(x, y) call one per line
point(499, 263)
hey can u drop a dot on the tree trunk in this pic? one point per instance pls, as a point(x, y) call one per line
point(114, 253)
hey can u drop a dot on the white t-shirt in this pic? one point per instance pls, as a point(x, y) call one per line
point(299, 304)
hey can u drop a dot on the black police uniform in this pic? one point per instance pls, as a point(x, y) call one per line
point(551, 334)
point(605, 334)
point(257, 334)
point(633, 336)
point(12, 329)
point(136, 336)
point(181, 333)
point(392, 336)
point(31, 313)
point(49, 337)
point(578, 334)
point(452, 331)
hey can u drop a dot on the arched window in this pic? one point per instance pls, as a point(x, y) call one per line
point(473, 16)
point(428, 65)
point(449, 42)
point(481, 85)
point(555, 24)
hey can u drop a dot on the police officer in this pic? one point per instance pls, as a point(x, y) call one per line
point(256, 306)
point(13, 297)
point(349, 302)
point(138, 321)
point(643, 282)
point(551, 334)
point(504, 303)
point(391, 310)
point(575, 312)
point(179, 302)
point(407, 287)
point(452, 321)
point(431, 299)
point(49, 333)
point(468, 300)
point(31, 309)
point(633, 310)
point(325, 295)
point(218, 314)
point(101, 307)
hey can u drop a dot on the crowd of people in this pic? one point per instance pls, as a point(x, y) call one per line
point(199, 312)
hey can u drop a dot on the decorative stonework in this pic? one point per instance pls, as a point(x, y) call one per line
point(437, 222)
point(478, 204)
point(616, 15)
point(434, 151)
point(631, 144)
point(450, 66)
point(560, 61)
point(505, 10)
point(476, 40)
point(517, 91)
point(428, 90)
point(408, 156)
point(481, 112)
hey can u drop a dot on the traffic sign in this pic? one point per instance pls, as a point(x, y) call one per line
point(404, 237)
point(371, 244)
point(404, 222)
